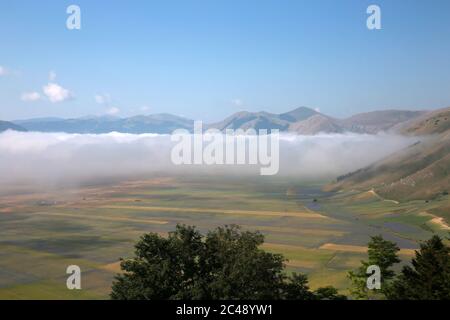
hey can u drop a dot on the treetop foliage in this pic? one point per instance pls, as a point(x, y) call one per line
point(227, 263)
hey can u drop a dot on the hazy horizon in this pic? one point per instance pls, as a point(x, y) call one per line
point(218, 119)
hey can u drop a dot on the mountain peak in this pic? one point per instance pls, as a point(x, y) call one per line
point(298, 114)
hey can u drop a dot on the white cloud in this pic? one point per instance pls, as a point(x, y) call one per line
point(237, 102)
point(56, 93)
point(113, 111)
point(102, 98)
point(30, 96)
point(145, 108)
point(317, 109)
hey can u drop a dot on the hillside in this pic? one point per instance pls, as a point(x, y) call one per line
point(251, 120)
point(421, 171)
point(435, 122)
point(306, 121)
point(264, 120)
point(315, 124)
point(5, 125)
point(376, 121)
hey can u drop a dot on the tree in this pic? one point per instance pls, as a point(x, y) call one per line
point(328, 293)
point(428, 277)
point(162, 268)
point(296, 288)
point(382, 253)
point(227, 263)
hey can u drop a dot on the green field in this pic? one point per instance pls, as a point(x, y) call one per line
point(41, 233)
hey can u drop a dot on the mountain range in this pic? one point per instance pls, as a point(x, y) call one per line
point(307, 121)
point(6, 125)
point(302, 120)
point(158, 123)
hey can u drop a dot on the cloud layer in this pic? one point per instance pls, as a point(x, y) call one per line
point(57, 158)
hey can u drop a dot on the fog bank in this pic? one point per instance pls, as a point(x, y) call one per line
point(59, 158)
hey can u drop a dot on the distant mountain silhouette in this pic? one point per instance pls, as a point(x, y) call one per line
point(157, 123)
point(301, 120)
point(304, 120)
point(5, 125)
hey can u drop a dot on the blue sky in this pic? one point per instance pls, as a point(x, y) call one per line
point(206, 59)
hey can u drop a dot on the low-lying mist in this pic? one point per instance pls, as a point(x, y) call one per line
point(50, 159)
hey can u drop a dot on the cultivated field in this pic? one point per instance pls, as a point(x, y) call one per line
point(41, 233)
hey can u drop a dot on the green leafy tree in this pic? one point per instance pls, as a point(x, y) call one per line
point(162, 267)
point(328, 293)
point(382, 253)
point(296, 288)
point(428, 277)
point(227, 263)
point(235, 268)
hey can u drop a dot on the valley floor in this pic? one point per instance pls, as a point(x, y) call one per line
point(322, 234)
